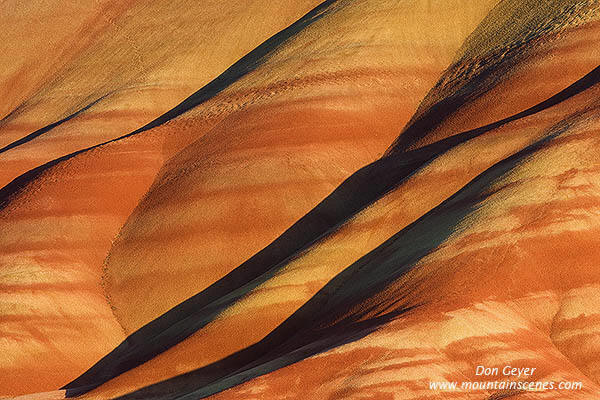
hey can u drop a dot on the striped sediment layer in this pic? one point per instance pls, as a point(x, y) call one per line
point(353, 210)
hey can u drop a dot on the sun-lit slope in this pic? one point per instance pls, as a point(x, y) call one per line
point(502, 273)
point(60, 219)
point(463, 249)
point(326, 103)
point(58, 224)
point(509, 278)
point(461, 282)
point(468, 95)
point(55, 319)
point(39, 39)
point(148, 147)
point(254, 301)
point(126, 69)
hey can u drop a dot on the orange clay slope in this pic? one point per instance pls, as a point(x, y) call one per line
point(329, 101)
point(58, 220)
point(130, 62)
point(388, 243)
point(437, 257)
point(55, 320)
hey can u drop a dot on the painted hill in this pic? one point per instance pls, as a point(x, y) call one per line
point(381, 195)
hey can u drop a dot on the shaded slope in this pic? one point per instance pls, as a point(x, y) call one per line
point(227, 293)
point(51, 259)
point(487, 59)
point(270, 301)
point(380, 177)
point(314, 113)
point(58, 221)
point(331, 317)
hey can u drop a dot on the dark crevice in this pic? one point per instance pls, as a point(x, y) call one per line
point(357, 192)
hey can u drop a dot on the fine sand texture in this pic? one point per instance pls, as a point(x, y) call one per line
point(295, 199)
